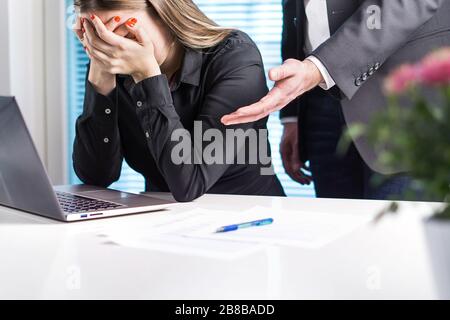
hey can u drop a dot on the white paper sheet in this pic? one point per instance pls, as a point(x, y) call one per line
point(166, 234)
point(193, 232)
point(290, 228)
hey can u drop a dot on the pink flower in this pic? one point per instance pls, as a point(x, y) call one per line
point(435, 68)
point(440, 54)
point(401, 79)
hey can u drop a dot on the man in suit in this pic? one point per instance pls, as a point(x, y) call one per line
point(338, 53)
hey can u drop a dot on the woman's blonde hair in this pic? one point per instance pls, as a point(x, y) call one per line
point(186, 21)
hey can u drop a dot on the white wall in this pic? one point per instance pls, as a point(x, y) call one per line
point(5, 78)
point(32, 67)
point(56, 101)
point(26, 47)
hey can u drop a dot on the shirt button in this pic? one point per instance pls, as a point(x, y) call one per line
point(139, 104)
point(147, 134)
point(106, 140)
point(108, 111)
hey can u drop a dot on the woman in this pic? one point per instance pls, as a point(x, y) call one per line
point(158, 68)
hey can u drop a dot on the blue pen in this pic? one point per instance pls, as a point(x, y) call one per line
point(235, 227)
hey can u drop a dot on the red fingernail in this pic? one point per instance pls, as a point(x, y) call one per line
point(132, 22)
point(117, 19)
point(92, 17)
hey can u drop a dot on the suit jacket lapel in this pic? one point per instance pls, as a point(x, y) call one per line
point(339, 11)
point(301, 24)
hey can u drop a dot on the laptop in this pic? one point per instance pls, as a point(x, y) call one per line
point(25, 185)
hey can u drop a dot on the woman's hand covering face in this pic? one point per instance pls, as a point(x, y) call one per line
point(119, 48)
point(114, 25)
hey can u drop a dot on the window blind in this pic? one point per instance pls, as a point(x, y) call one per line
point(261, 19)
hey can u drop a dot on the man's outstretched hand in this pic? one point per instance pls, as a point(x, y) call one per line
point(292, 79)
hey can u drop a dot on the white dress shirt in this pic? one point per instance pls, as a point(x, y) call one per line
point(317, 31)
point(317, 28)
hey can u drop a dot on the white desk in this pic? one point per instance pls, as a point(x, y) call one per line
point(40, 258)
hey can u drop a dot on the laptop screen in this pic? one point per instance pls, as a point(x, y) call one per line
point(24, 183)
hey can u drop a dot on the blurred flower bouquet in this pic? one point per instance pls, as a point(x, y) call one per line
point(418, 139)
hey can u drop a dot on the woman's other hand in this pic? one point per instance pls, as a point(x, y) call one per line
point(120, 55)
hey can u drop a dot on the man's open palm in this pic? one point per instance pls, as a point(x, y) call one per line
point(292, 79)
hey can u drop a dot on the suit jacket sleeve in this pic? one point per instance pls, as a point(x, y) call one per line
point(355, 51)
point(289, 48)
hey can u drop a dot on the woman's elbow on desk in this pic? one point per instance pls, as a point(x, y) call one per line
point(185, 191)
point(97, 180)
point(184, 195)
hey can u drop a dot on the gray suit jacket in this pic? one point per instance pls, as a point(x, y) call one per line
point(359, 57)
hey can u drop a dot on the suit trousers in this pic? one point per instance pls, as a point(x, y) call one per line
point(343, 175)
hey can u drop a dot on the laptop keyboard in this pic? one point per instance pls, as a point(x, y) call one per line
point(75, 204)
